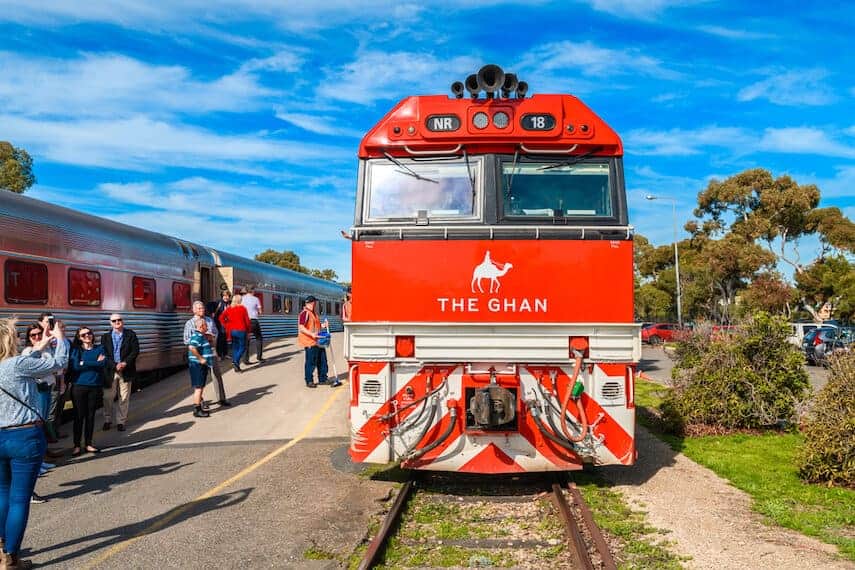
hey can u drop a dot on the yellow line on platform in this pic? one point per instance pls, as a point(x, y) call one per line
point(181, 509)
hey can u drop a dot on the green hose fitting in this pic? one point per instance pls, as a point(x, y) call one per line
point(578, 388)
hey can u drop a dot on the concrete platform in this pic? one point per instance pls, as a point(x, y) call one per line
point(254, 485)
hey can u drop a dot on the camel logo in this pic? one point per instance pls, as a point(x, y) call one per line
point(489, 269)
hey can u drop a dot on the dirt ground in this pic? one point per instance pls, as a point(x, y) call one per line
point(709, 520)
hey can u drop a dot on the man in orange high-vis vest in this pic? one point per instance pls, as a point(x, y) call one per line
point(307, 337)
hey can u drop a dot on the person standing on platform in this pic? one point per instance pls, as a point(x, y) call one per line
point(57, 385)
point(22, 440)
point(347, 307)
point(199, 356)
point(87, 360)
point(211, 334)
point(253, 307)
point(235, 321)
point(222, 340)
point(307, 336)
point(121, 348)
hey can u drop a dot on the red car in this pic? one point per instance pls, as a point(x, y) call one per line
point(660, 332)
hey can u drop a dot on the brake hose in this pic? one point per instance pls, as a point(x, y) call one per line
point(583, 418)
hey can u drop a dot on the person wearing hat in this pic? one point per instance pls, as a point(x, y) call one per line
point(307, 337)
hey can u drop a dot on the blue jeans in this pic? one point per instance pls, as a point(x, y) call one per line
point(238, 346)
point(21, 453)
point(315, 357)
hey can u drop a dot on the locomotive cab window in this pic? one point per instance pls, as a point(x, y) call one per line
point(180, 295)
point(84, 287)
point(26, 283)
point(145, 293)
point(557, 188)
point(406, 190)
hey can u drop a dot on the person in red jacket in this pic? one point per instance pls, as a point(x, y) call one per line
point(235, 321)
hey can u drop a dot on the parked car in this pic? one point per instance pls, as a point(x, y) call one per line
point(661, 332)
point(822, 342)
point(799, 330)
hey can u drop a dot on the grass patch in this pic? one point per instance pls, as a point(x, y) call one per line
point(764, 466)
point(315, 553)
point(641, 545)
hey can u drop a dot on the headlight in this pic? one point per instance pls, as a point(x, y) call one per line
point(480, 120)
point(501, 120)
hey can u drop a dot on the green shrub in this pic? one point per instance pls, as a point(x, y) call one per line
point(746, 378)
point(828, 455)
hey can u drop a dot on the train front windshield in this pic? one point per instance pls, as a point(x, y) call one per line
point(556, 189)
point(402, 189)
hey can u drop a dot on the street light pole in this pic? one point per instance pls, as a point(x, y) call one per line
point(676, 253)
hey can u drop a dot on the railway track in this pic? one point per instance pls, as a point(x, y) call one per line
point(451, 520)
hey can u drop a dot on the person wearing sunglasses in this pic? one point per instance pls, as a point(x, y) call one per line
point(87, 362)
point(22, 439)
point(121, 348)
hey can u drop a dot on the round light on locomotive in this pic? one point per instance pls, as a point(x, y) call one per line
point(501, 120)
point(480, 120)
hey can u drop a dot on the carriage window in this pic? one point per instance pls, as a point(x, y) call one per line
point(180, 295)
point(26, 282)
point(84, 287)
point(552, 189)
point(329, 306)
point(145, 293)
point(277, 303)
point(288, 304)
point(337, 308)
point(436, 189)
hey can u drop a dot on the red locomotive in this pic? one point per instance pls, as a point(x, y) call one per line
point(492, 326)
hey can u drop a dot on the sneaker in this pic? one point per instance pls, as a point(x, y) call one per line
point(106, 426)
point(311, 386)
point(37, 499)
point(200, 413)
point(120, 427)
point(237, 368)
point(335, 384)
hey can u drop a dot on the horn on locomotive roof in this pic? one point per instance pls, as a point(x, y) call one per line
point(509, 85)
point(472, 85)
point(490, 79)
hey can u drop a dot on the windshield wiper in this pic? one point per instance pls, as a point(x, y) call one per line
point(407, 170)
point(572, 161)
point(470, 177)
point(513, 170)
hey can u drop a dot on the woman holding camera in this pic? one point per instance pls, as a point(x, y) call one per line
point(22, 440)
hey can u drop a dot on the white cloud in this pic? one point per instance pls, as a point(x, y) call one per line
point(641, 9)
point(141, 143)
point(680, 142)
point(791, 88)
point(111, 85)
point(377, 75)
point(265, 216)
point(804, 140)
point(735, 33)
point(320, 124)
point(588, 59)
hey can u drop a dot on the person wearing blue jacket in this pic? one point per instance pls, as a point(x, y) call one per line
point(87, 364)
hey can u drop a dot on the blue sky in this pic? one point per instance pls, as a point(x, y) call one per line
point(236, 124)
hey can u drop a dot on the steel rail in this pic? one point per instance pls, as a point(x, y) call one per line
point(608, 562)
point(571, 527)
point(389, 523)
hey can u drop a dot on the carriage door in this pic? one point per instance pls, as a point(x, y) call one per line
point(205, 279)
